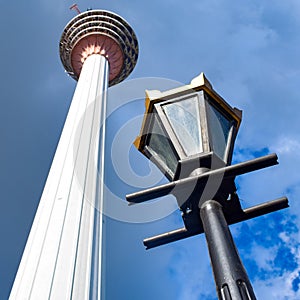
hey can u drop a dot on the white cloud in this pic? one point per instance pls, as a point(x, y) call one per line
point(193, 276)
point(287, 145)
point(264, 257)
point(278, 287)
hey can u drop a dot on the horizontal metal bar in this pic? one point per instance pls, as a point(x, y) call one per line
point(265, 208)
point(152, 193)
point(251, 165)
point(168, 237)
point(229, 171)
point(248, 213)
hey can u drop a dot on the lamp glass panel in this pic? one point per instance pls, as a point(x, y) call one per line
point(160, 147)
point(220, 127)
point(184, 117)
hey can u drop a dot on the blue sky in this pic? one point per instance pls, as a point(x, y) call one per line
point(249, 50)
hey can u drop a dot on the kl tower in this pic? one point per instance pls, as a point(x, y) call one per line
point(63, 255)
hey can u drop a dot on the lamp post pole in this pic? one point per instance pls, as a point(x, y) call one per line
point(230, 275)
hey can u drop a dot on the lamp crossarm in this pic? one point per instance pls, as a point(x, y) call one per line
point(232, 209)
point(226, 172)
point(246, 214)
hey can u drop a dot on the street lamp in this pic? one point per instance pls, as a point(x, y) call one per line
point(189, 133)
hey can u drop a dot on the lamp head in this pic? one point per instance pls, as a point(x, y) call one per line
point(188, 129)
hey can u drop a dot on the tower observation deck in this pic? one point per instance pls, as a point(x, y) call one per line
point(99, 32)
point(64, 257)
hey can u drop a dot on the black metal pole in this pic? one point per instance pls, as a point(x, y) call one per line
point(231, 279)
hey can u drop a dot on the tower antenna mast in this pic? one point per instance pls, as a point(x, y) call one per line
point(75, 7)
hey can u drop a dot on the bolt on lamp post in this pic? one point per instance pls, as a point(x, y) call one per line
point(189, 133)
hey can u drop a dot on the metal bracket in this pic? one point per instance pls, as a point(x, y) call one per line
point(248, 213)
point(190, 189)
point(190, 182)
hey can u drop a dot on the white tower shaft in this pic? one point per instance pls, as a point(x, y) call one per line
point(62, 258)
